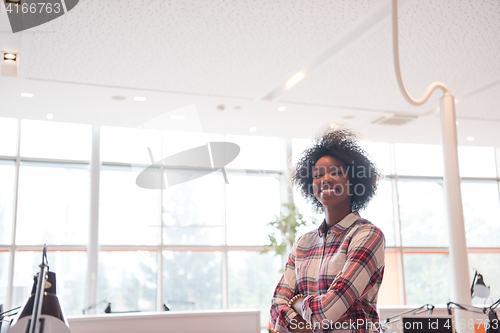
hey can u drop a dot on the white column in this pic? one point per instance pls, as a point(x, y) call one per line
point(93, 245)
point(459, 263)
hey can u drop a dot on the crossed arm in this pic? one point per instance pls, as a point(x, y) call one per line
point(363, 267)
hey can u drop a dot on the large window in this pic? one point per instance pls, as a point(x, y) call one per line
point(128, 214)
point(252, 279)
point(7, 192)
point(194, 212)
point(45, 175)
point(186, 245)
point(426, 278)
point(201, 236)
point(127, 280)
point(196, 245)
point(53, 204)
point(422, 213)
point(4, 276)
point(481, 211)
point(192, 280)
point(70, 268)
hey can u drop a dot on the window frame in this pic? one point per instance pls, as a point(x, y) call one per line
point(286, 195)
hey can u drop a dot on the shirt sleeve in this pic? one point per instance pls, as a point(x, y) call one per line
point(281, 313)
point(363, 267)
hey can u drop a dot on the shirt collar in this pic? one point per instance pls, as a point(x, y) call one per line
point(345, 223)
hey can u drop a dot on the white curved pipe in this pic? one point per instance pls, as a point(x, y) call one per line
point(459, 275)
point(395, 49)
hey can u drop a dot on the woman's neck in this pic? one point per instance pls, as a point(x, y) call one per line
point(335, 214)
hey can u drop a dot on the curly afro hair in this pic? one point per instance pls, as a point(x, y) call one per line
point(341, 144)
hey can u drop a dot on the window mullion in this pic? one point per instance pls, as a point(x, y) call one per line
point(159, 275)
point(397, 225)
point(12, 256)
point(225, 274)
point(93, 240)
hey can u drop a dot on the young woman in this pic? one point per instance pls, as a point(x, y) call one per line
point(333, 274)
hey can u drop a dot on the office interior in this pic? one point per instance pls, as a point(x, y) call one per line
point(109, 89)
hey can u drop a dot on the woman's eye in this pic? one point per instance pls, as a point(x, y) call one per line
point(317, 176)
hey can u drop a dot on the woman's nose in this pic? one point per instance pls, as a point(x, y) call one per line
point(327, 178)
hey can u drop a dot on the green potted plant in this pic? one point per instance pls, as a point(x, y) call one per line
point(286, 224)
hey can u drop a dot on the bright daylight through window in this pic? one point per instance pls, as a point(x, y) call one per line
point(155, 244)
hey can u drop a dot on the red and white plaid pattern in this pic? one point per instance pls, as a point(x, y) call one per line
point(340, 271)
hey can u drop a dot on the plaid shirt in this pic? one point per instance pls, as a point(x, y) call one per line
point(340, 271)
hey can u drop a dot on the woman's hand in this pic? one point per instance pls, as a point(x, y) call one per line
point(298, 324)
point(297, 305)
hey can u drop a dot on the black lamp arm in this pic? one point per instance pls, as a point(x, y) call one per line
point(93, 306)
point(464, 307)
point(11, 310)
point(472, 286)
point(494, 305)
point(428, 307)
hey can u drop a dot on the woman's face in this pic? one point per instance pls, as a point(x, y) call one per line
point(331, 184)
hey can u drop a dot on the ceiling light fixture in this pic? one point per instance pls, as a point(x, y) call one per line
point(177, 117)
point(50, 116)
point(252, 129)
point(140, 98)
point(296, 78)
point(281, 108)
point(10, 56)
point(27, 95)
point(457, 122)
point(471, 138)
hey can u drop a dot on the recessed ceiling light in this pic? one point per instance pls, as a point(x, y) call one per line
point(118, 98)
point(50, 116)
point(10, 56)
point(252, 129)
point(282, 108)
point(471, 138)
point(139, 98)
point(28, 95)
point(457, 122)
point(176, 117)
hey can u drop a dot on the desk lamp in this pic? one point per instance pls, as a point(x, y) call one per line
point(478, 287)
point(42, 312)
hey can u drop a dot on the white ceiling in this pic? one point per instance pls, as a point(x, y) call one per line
point(240, 54)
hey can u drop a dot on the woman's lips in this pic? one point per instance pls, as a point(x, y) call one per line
point(335, 190)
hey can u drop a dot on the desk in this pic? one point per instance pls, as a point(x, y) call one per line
point(216, 321)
